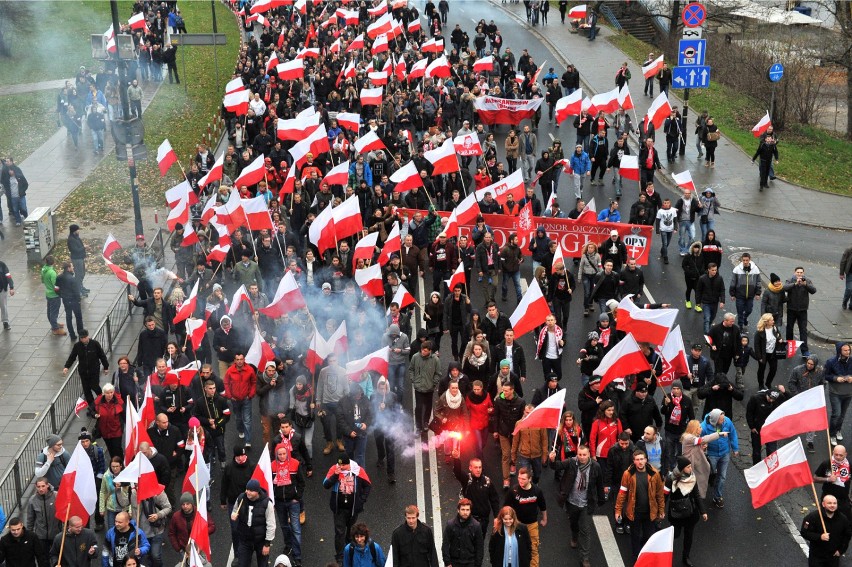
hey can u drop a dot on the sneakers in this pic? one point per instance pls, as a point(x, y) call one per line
point(327, 450)
point(811, 447)
point(241, 435)
point(302, 517)
point(833, 440)
point(512, 470)
point(585, 312)
point(688, 304)
point(6, 326)
point(719, 502)
point(698, 308)
point(839, 436)
point(619, 528)
point(505, 485)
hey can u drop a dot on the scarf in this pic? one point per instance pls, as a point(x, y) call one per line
point(477, 399)
point(683, 482)
point(282, 473)
point(677, 412)
point(478, 361)
point(604, 336)
point(305, 395)
point(543, 335)
point(583, 475)
point(454, 402)
point(570, 441)
point(841, 470)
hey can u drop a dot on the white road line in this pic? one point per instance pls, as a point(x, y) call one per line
point(230, 556)
point(648, 294)
point(794, 531)
point(608, 543)
point(437, 521)
point(418, 450)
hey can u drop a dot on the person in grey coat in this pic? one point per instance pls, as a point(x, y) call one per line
point(799, 289)
point(424, 373)
point(81, 546)
point(400, 349)
point(41, 513)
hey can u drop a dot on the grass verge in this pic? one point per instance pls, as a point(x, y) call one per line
point(804, 151)
point(28, 121)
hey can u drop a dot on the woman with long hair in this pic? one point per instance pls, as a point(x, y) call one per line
point(509, 545)
point(477, 365)
point(693, 446)
point(452, 413)
point(569, 438)
point(765, 339)
point(685, 504)
point(711, 249)
point(604, 434)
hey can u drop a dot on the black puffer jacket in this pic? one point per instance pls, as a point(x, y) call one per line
point(463, 542)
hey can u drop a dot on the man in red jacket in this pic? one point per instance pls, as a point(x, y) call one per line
point(180, 525)
point(240, 388)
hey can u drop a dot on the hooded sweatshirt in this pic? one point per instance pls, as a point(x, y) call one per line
point(745, 284)
point(838, 366)
point(723, 445)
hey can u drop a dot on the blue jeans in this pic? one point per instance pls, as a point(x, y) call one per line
point(242, 415)
point(719, 465)
point(847, 294)
point(592, 33)
point(839, 405)
point(396, 377)
point(588, 286)
point(18, 209)
point(156, 542)
point(685, 236)
point(480, 438)
point(356, 448)
point(744, 307)
point(707, 227)
point(53, 305)
point(98, 139)
point(516, 283)
point(288, 519)
point(709, 314)
point(665, 239)
point(531, 464)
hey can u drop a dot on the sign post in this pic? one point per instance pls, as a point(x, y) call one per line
point(775, 74)
point(691, 71)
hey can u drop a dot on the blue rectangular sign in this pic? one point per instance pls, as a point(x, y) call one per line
point(691, 77)
point(691, 52)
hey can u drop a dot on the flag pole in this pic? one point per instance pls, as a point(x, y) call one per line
point(818, 507)
point(64, 533)
point(138, 512)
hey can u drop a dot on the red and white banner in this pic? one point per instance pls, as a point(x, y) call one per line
point(196, 329)
point(570, 105)
point(650, 70)
point(658, 551)
point(484, 64)
point(259, 353)
point(371, 96)
point(188, 306)
point(257, 214)
point(493, 110)
point(297, 128)
point(200, 533)
point(288, 297)
point(628, 168)
point(122, 274)
point(349, 121)
point(375, 362)
point(531, 311)
point(802, 413)
point(370, 280)
point(513, 184)
point(263, 472)
point(457, 279)
point(623, 359)
point(393, 244)
point(779, 473)
point(443, 158)
point(215, 173)
point(546, 415)
point(338, 175)
point(606, 102)
point(237, 102)
point(439, 68)
point(368, 142)
point(251, 174)
point(646, 325)
point(625, 101)
point(110, 245)
point(673, 355)
point(418, 69)
point(77, 494)
point(137, 21)
point(577, 12)
point(166, 157)
point(433, 46)
point(291, 70)
point(347, 218)
point(762, 126)
point(235, 85)
point(316, 143)
point(141, 473)
point(406, 178)
point(658, 112)
point(467, 145)
point(684, 180)
point(365, 248)
point(321, 231)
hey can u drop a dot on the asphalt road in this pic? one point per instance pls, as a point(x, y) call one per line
point(737, 535)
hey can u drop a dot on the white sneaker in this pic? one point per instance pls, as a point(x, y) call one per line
point(242, 435)
point(832, 440)
point(839, 436)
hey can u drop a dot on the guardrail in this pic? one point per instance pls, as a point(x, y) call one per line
point(57, 416)
point(610, 17)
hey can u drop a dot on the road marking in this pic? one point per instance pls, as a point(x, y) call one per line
point(648, 294)
point(794, 531)
point(230, 556)
point(418, 449)
point(608, 543)
point(437, 521)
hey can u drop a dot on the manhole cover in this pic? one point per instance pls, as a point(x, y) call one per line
point(27, 415)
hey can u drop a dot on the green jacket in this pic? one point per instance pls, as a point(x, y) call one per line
point(424, 373)
point(248, 275)
point(48, 278)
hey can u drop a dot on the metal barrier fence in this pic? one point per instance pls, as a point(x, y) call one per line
point(54, 420)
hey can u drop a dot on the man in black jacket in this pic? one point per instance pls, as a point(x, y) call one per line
point(726, 341)
point(463, 539)
point(639, 411)
point(710, 295)
point(799, 289)
point(77, 252)
point(478, 489)
point(827, 545)
point(677, 411)
point(90, 356)
point(760, 405)
point(495, 324)
point(570, 80)
point(20, 548)
point(150, 346)
point(649, 163)
point(413, 542)
point(509, 349)
point(68, 288)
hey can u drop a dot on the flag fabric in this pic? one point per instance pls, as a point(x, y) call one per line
point(218, 253)
point(77, 494)
point(558, 257)
point(347, 218)
point(166, 157)
point(368, 142)
point(185, 374)
point(263, 472)
point(577, 12)
point(433, 46)
point(239, 296)
point(684, 180)
point(443, 158)
point(178, 215)
point(531, 311)
point(315, 143)
point(403, 297)
point(380, 45)
point(393, 244)
point(607, 102)
point(350, 121)
point(237, 102)
point(147, 412)
point(110, 246)
point(200, 534)
point(570, 105)
point(546, 415)
point(380, 26)
point(484, 64)
point(272, 63)
point(414, 26)
point(252, 173)
point(792, 347)
point(122, 274)
point(782, 471)
point(83, 404)
point(371, 96)
point(259, 353)
point(458, 278)
point(318, 351)
point(305, 52)
point(354, 469)
point(375, 362)
point(370, 280)
point(406, 178)
point(418, 70)
point(187, 308)
point(297, 128)
point(673, 356)
point(140, 472)
point(215, 173)
point(800, 414)
point(646, 325)
point(625, 101)
point(451, 230)
point(321, 231)
point(338, 175)
point(764, 123)
point(629, 167)
point(500, 190)
point(467, 145)
point(623, 359)
point(196, 329)
point(137, 21)
point(134, 432)
point(503, 111)
point(365, 248)
point(658, 112)
point(658, 551)
point(261, 6)
point(288, 297)
point(650, 70)
point(356, 44)
point(467, 210)
point(235, 85)
point(439, 68)
point(257, 214)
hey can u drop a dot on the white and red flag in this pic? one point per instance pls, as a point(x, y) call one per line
point(235, 85)
point(321, 231)
point(484, 64)
point(259, 353)
point(546, 415)
point(403, 297)
point(380, 45)
point(77, 494)
point(368, 142)
point(570, 105)
point(684, 180)
point(629, 167)
point(272, 63)
point(500, 190)
point(218, 253)
point(443, 158)
point(439, 68)
point(347, 218)
point(625, 101)
point(261, 6)
point(185, 374)
point(137, 21)
point(365, 248)
point(297, 128)
point(673, 356)
point(658, 112)
point(316, 143)
point(467, 210)
point(237, 102)
point(371, 96)
point(779, 473)
point(110, 245)
point(215, 173)
point(196, 329)
point(762, 126)
point(140, 472)
point(179, 214)
point(558, 257)
point(650, 70)
point(658, 551)
point(252, 173)
point(505, 111)
point(375, 361)
point(350, 121)
point(607, 102)
point(792, 347)
point(288, 298)
point(467, 145)
point(393, 244)
point(418, 69)
point(83, 404)
point(187, 308)
point(578, 12)
point(166, 157)
point(308, 52)
point(406, 178)
point(433, 46)
point(239, 296)
point(458, 278)
point(623, 359)
point(200, 533)
point(646, 325)
point(338, 175)
point(380, 26)
point(291, 70)
point(800, 414)
point(414, 26)
point(263, 472)
point(379, 10)
point(531, 311)
point(257, 214)
point(370, 280)
point(379, 78)
point(122, 274)
point(135, 432)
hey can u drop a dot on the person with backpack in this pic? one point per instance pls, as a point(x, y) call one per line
point(363, 551)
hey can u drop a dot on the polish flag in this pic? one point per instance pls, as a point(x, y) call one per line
point(467, 145)
point(137, 21)
point(550, 200)
point(252, 173)
point(336, 46)
point(782, 471)
point(414, 26)
point(658, 112)
point(625, 358)
point(443, 158)
point(196, 329)
point(484, 64)
point(365, 248)
point(222, 230)
point(338, 175)
point(259, 353)
point(297, 128)
point(77, 494)
point(380, 26)
point(263, 472)
point(500, 190)
point(123, 275)
point(673, 355)
point(166, 157)
point(200, 533)
point(318, 351)
point(607, 102)
point(558, 257)
point(83, 404)
point(375, 362)
point(658, 551)
point(190, 237)
point(356, 44)
point(380, 45)
point(141, 473)
point(291, 70)
point(440, 68)
point(350, 17)
point(761, 126)
point(368, 142)
point(577, 12)
point(259, 18)
point(403, 298)
point(301, 6)
point(235, 85)
point(802, 413)
point(239, 296)
point(305, 52)
point(110, 246)
point(337, 342)
point(257, 214)
point(209, 211)
point(433, 46)
point(625, 101)
point(261, 6)
point(218, 253)
point(531, 311)
point(418, 70)
point(399, 69)
point(187, 308)
point(272, 63)
point(347, 218)
point(378, 10)
point(569, 106)
point(378, 77)
point(109, 38)
point(147, 413)
point(467, 210)
point(185, 374)
point(546, 415)
point(288, 297)
point(792, 347)
point(321, 231)
point(629, 167)
point(586, 104)
point(215, 173)
point(178, 214)
point(316, 143)
point(393, 244)
point(371, 96)
point(370, 280)
point(182, 190)
point(289, 185)
point(350, 121)
point(406, 178)
point(538, 72)
point(650, 70)
point(646, 325)
point(684, 180)
point(452, 228)
point(237, 102)
point(134, 432)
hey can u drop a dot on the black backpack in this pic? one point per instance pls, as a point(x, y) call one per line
point(373, 552)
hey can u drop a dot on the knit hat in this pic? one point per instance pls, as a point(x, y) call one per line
point(505, 363)
point(282, 561)
point(239, 451)
point(84, 434)
point(326, 285)
point(774, 278)
point(193, 422)
point(253, 485)
point(603, 317)
point(552, 376)
point(393, 330)
point(217, 287)
point(453, 366)
point(682, 463)
point(73, 228)
point(301, 380)
point(677, 384)
point(714, 416)
point(612, 305)
point(53, 440)
point(642, 387)
point(187, 498)
point(594, 380)
point(594, 336)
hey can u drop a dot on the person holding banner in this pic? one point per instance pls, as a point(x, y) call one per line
point(834, 475)
point(758, 409)
point(828, 533)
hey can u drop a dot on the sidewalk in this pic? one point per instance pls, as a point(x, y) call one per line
point(31, 358)
point(33, 87)
point(734, 178)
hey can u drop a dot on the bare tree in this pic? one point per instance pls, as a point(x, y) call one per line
point(837, 47)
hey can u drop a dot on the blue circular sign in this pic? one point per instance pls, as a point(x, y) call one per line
point(694, 15)
point(776, 71)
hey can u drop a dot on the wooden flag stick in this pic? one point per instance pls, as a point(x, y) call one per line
point(819, 508)
point(64, 533)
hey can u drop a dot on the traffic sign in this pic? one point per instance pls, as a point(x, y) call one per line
point(694, 15)
point(776, 72)
point(692, 33)
point(691, 52)
point(691, 77)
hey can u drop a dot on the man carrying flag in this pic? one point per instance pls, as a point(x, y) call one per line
point(758, 409)
point(828, 533)
point(81, 545)
point(834, 475)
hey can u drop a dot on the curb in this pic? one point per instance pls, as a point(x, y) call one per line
point(564, 60)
